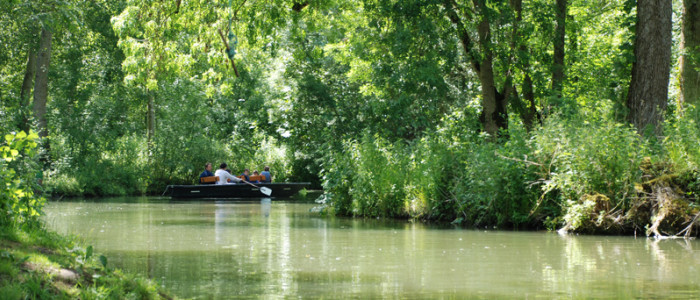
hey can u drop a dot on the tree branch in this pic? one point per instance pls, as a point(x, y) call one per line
point(462, 33)
point(298, 6)
point(233, 64)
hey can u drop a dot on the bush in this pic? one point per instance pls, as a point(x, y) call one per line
point(682, 141)
point(19, 180)
point(117, 172)
point(589, 157)
point(495, 186)
point(376, 173)
point(442, 176)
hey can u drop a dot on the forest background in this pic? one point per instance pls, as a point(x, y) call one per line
point(566, 114)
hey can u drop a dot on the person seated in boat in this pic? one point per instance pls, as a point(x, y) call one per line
point(224, 176)
point(207, 173)
point(256, 177)
point(266, 173)
point(246, 174)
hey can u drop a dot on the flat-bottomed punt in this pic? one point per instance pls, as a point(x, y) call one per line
point(238, 190)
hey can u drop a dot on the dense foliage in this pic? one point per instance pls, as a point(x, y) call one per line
point(19, 179)
point(439, 110)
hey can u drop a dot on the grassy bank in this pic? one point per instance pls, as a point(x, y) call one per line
point(38, 264)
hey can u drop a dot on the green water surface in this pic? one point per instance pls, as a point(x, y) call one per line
point(270, 249)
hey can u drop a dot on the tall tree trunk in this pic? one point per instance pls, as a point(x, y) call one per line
point(489, 105)
point(41, 84)
point(151, 120)
point(648, 92)
point(493, 106)
point(690, 59)
point(559, 42)
point(26, 92)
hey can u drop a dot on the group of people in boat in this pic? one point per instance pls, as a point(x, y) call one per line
point(224, 175)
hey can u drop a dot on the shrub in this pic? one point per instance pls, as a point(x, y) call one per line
point(441, 176)
point(19, 180)
point(495, 183)
point(589, 157)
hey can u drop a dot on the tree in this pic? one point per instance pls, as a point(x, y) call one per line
point(559, 42)
point(494, 115)
point(27, 85)
point(690, 57)
point(648, 91)
point(35, 23)
point(168, 41)
point(520, 60)
point(41, 84)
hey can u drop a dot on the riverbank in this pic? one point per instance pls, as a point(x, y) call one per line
point(39, 264)
point(573, 174)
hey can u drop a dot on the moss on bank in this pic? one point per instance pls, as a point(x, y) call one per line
point(38, 264)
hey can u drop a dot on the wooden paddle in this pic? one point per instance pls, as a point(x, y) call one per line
point(263, 189)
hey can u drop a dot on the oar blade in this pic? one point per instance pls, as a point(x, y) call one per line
point(266, 191)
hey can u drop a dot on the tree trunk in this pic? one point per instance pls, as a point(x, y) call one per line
point(151, 120)
point(489, 113)
point(559, 42)
point(648, 92)
point(690, 59)
point(492, 103)
point(41, 84)
point(529, 95)
point(527, 110)
point(462, 34)
point(26, 91)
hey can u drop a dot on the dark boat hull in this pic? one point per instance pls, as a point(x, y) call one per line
point(279, 190)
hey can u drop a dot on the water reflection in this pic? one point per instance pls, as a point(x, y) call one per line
point(267, 248)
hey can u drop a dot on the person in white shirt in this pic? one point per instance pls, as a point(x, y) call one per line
point(224, 175)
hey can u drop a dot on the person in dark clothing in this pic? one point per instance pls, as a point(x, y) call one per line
point(266, 173)
point(246, 174)
point(207, 172)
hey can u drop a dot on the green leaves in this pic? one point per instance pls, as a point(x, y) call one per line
point(17, 142)
point(17, 173)
point(103, 261)
point(88, 253)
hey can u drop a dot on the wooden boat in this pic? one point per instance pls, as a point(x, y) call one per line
point(238, 190)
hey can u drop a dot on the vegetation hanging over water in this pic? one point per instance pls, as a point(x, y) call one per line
point(526, 114)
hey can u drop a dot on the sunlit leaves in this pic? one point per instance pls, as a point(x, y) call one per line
point(16, 142)
point(17, 201)
point(126, 24)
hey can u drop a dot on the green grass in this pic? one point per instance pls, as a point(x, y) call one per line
point(31, 258)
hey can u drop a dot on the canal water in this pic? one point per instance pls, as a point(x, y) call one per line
point(271, 249)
